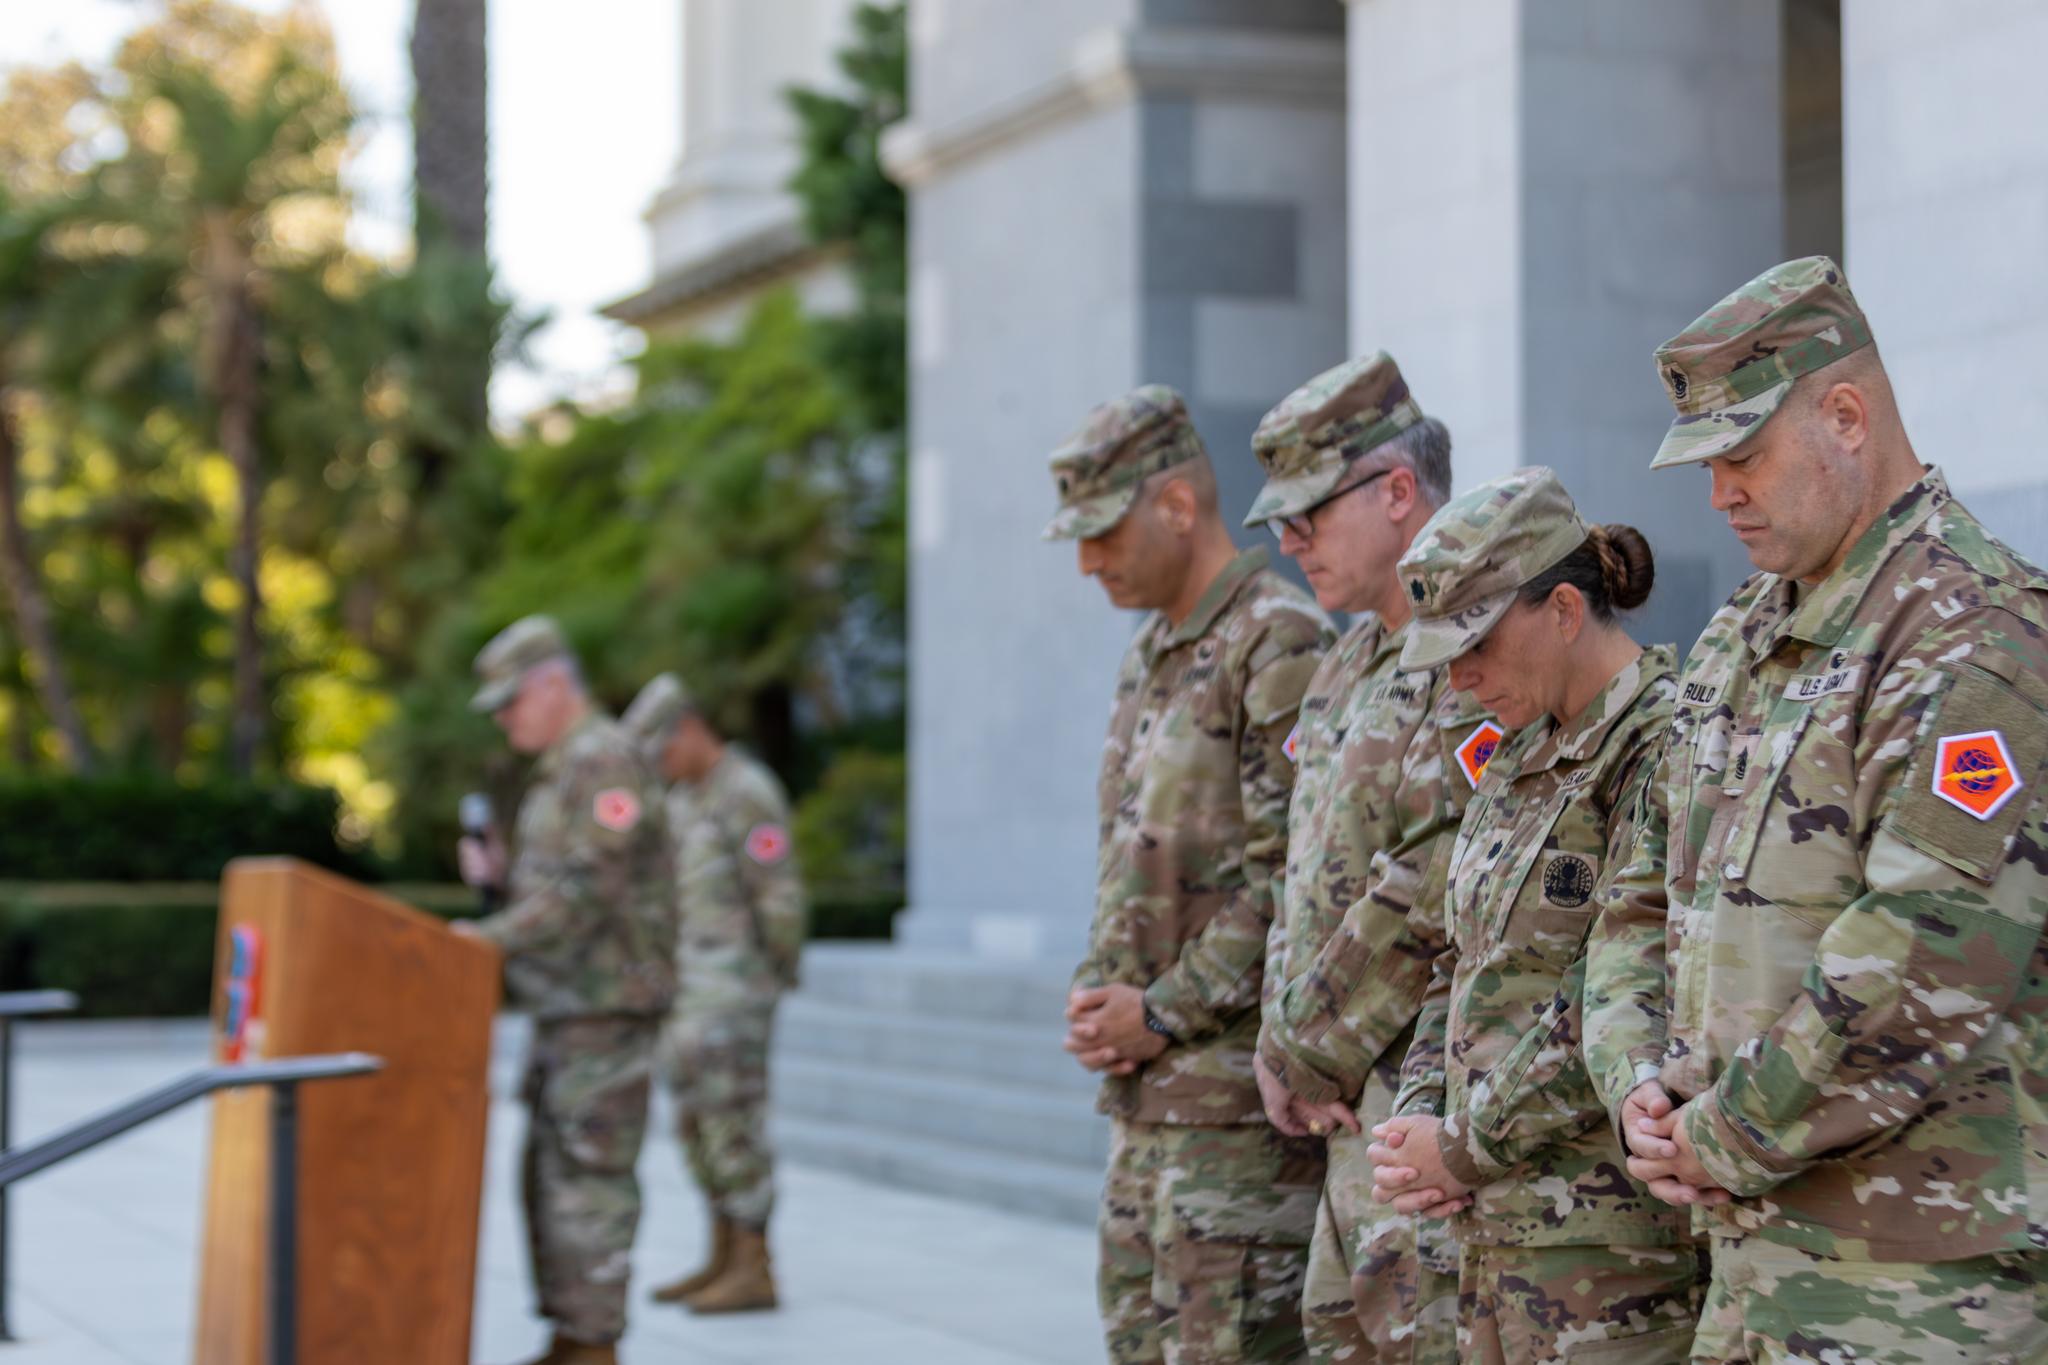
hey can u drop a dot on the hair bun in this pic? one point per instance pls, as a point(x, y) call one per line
point(1627, 568)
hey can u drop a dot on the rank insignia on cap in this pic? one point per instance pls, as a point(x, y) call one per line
point(1477, 751)
point(767, 844)
point(616, 809)
point(1292, 748)
point(1974, 772)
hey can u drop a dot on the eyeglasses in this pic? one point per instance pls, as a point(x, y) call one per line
point(1303, 523)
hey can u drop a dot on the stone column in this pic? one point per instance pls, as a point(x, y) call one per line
point(1102, 195)
point(1542, 192)
point(1945, 138)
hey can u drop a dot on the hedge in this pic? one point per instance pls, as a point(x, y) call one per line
point(150, 829)
point(146, 949)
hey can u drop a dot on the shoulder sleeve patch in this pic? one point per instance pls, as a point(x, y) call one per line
point(1981, 745)
point(1292, 748)
point(1477, 750)
point(615, 809)
point(768, 844)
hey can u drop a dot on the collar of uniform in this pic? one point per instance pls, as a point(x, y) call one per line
point(551, 757)
point(1582, 738)
point(1820, 614)
point(1228, 582)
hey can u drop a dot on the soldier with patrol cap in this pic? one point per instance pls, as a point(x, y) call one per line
point(1354, 469)
point(1561, 1255)
point(1206, 1209)
point(589, 938)
point(1853, 813)
point(743, 912)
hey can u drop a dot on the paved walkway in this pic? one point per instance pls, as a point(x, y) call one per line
point(105, 1268)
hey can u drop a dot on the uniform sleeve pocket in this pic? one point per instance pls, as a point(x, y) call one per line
point(1979, 749)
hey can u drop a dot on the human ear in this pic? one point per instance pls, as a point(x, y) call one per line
point(1845, 415)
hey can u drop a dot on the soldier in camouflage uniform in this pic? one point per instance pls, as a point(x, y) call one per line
point(589, 938)
point(1562, 1256)
point(743, 917)
point(1854, 1025)
point(1353, 470)
point(1206, 1210)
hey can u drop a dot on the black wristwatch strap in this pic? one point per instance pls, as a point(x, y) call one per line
point(1152, 1021)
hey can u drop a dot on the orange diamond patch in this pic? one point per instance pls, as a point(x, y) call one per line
point(1974, 772)
point(1477, 751)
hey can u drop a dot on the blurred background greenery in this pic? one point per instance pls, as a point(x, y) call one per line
point(255, 519)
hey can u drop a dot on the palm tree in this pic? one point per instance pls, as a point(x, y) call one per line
point(27, 267)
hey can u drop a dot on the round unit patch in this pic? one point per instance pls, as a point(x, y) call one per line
point(768, 844)
point(616, 809)
point(1568, 881)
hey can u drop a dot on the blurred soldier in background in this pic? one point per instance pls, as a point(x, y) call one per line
point(743, 914)
point(589, 937)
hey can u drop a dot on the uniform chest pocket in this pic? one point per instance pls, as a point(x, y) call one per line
point(1553, 903)
point(1799, 850)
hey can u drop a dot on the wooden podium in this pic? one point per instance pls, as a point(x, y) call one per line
point(390, 1165)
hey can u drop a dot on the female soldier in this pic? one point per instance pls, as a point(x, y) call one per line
point(1562, 1256)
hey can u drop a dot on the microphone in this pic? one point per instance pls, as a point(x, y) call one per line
point(473, 813)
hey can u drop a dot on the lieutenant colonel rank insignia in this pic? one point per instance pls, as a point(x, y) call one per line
point(1974, 772)
point(1477, 751)
point(616, 809)
point(767, 844)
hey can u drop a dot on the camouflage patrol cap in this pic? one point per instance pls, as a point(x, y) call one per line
point(1728, 372)
point(1122, 443)
point(1464, 569)
point(654, 713)
point(503, 663)
point(1312, 439)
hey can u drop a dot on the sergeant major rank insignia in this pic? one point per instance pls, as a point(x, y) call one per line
point(1974, 772)
point(1477, 751)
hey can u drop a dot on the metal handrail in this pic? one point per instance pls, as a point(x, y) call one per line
point(283, 1076)
point(17, 1005)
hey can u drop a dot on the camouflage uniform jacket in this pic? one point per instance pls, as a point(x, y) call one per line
point(743, 906)
point(1193, 798)
point(1542, 838)
point(591, 924)
point(1378, 792)
point(1858, 874)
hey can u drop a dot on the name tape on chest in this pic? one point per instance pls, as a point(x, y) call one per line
point(1699, 694)
point(768, 844)
point(1974, 772)
point(1477, 751)
point(615, 809)
point(1813, 685)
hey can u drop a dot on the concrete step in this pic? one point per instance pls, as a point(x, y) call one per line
point(936, 985)
point(1053, 1190)
point(976, 1116)
point(811, 1029)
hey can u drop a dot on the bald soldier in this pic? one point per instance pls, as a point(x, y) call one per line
point(589, 938)
point(1842, 1074)
point(1206, 1209)
point(743, 913)
point(1353, 471)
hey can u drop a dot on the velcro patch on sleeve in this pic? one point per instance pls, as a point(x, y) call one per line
point(1477, 751)
point(1983, 744)
point(768, 844)
point(615, 809)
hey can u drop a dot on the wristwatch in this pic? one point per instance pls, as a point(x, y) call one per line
point(1152, 1021)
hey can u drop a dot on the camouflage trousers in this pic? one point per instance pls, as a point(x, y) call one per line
point(716, 1065)
point(1204, 1243)
point(1616, 1305)
point(1371, 1295)
point(586, 1088)
point(1772, 1303)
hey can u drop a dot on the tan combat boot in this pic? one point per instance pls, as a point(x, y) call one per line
point(563, 1351)
point(721, 1256)
point(748, 1282)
